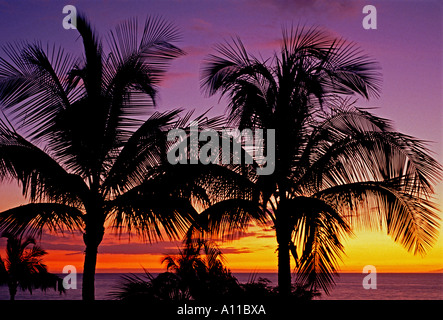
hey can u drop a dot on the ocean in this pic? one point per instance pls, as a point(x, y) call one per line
point(390, 286)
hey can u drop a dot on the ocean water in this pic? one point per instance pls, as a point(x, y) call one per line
point(390, 286)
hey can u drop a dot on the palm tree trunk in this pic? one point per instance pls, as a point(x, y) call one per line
point(88, 286)
point(283, 235)
point(284, 269)
point(92, 238)
point(284, 262)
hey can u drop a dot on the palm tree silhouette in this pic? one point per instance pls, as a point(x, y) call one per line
point(83, 150)
point(200, 266)
point(336, 166)
point(196, 273)
point(23, 267)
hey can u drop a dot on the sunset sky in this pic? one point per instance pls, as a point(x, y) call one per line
point(407, 43)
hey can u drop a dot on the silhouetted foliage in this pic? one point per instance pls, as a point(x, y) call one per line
point(197, 273)
point(23, 267)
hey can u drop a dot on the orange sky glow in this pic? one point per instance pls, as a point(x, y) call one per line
point(255, 251)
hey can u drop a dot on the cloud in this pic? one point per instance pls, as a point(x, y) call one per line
point(111, 244)
point(62, 246)
point(237, 235)
point(233, 250)
point(266, 236)
point(270, 44)
point(171, 77)
point(160, 248)
point(192, 51)
point(199, 24)
point(303, 6)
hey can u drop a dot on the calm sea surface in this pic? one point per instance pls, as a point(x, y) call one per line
point(390, 286)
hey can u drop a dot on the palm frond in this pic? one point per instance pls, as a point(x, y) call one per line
point(353, 145)
point(221, 71)
point(410, 219)
point(144, 150)
point(32, 84)
point(317, 231)
point(143, 210)
point(41, 178)
point(154, 49)
point(31, 219)
point(93, 64)
point(348, 71)
point(225, 219)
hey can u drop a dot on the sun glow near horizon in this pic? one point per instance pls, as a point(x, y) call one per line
point(259, 255)
point(254, 251)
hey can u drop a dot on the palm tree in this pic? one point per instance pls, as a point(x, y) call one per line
point(23, 267)
point(196, 273)
point(143, 288)
point(79, 142)
point(200, 266)
point(337, 166)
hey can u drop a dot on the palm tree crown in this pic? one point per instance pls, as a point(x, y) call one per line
point(196, 273)
point(23, 267)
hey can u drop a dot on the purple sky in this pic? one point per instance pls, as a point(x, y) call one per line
point(407, 43)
